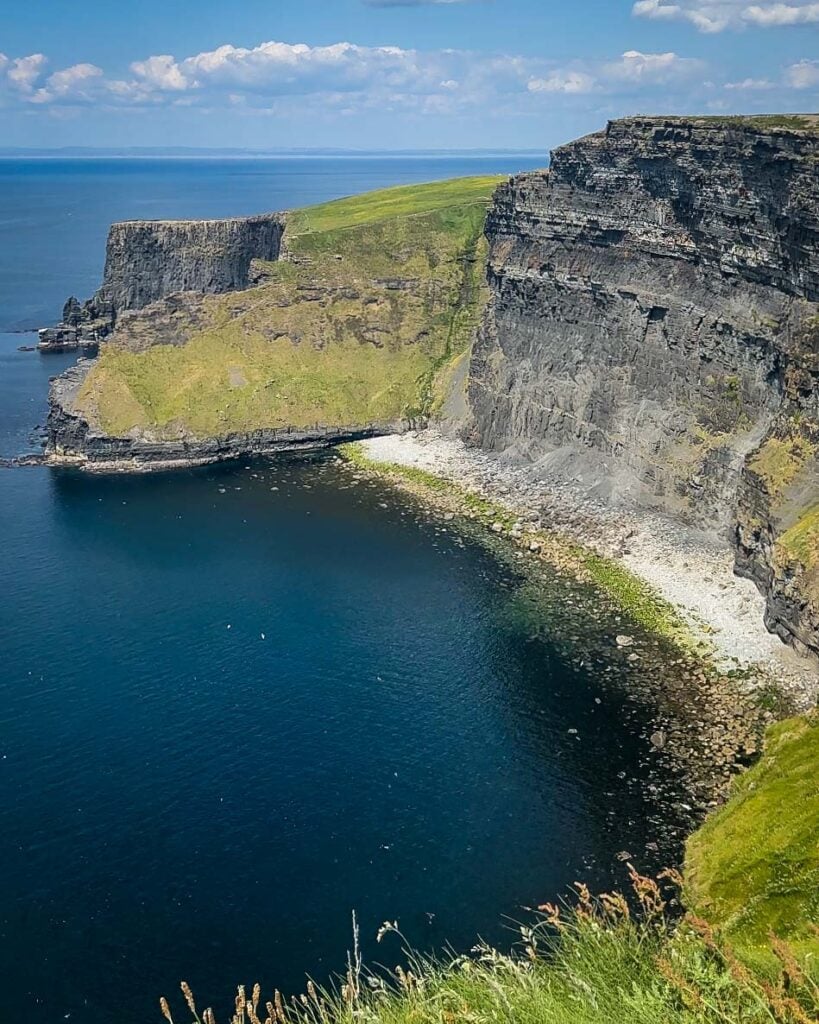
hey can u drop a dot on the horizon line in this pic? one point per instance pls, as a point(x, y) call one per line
point(14, 151)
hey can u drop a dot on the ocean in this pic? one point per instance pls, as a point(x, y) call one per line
point(241, 703)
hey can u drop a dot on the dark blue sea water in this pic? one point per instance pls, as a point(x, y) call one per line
point(238, 703)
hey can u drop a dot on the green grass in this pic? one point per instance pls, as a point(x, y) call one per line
point(753, 867)
point(801, 542)
point(381, 295)
point(793, 122)
point(779, 461)
point(593, 964)
point(638, 598)
point(385, 204)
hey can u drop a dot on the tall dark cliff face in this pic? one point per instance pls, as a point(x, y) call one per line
point(147, 261)
point(652, 323)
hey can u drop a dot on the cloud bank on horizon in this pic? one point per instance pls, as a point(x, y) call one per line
point(345, 80)
point(354, 76)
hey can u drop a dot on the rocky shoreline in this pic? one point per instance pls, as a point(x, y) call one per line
point(707, 716)
point(685, 567)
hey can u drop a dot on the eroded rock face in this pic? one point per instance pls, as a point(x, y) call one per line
point(650, 324)
point(148, 261)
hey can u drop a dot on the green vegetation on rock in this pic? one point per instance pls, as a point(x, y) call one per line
point(801, 542)
point(779, 461)
point(377, 298)
point(792, 122)
point(388, 203)
point(753, 868)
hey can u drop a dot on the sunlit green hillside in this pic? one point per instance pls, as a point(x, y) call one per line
point(377, 296)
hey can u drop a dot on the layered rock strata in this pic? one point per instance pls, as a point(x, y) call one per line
point(147, 261)
point(653, 330)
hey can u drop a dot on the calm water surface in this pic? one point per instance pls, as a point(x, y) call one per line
point(238, 703)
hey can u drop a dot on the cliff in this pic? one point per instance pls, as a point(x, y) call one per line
point(378, 297)
point(149, 260)
point(146, 261)
point(653, 331)
point(649, 328)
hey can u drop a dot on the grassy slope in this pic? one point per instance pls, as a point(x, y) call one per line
point(382, 291)
point(794, 122)
point(589, 966)
point(753, 867)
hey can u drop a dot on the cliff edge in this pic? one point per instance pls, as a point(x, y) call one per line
point(653, 331)
point(220, 347)
point(146, 261)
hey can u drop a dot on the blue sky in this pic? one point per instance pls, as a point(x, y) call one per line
point(390, 73)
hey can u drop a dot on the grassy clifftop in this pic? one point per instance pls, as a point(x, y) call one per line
point(753, 868)
point(378, 295)
point(600, 961)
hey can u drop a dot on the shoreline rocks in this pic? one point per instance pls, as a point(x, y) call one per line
point(683, 565)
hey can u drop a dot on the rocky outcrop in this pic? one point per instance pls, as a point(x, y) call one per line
point(147, 261)
point(651, 328)
point(72, 441)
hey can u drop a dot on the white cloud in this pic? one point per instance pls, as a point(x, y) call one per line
point(750, 85)
point(718, 15)
point(635, 66)
point(70, 84)
point(275, 68)
point(563, 81)
point(160, 72)
point(23, 72)
point(343, 77)
point(803, 75)
point(346, 79)
point(633, 69)
point(767, 15)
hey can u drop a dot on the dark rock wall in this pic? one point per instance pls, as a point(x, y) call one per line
point(148, 260)
point(651, 302)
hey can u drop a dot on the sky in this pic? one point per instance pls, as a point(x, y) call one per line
point(389, 74)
